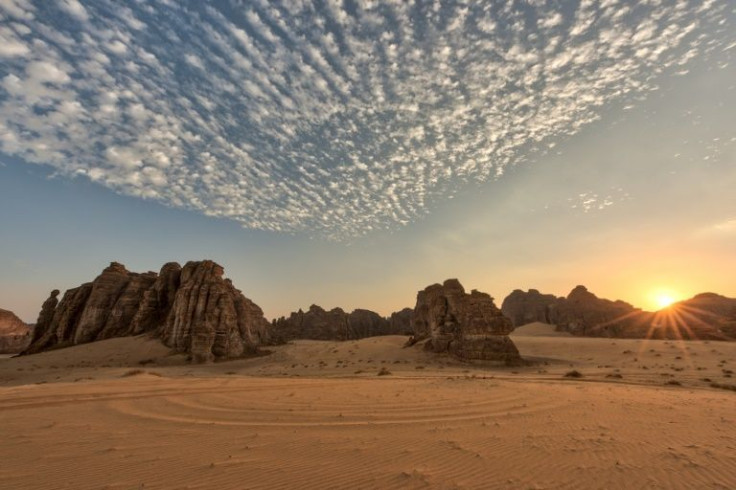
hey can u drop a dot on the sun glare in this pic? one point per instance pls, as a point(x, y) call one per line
point(663, 300)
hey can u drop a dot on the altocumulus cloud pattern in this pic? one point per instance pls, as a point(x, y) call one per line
point(329, 117)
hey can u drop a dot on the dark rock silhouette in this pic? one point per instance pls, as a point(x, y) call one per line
point(470, 326)
point(401, 321)
point(522, 308)
point(15, 335)
point(192, 309)
point(583, 313)
point(336, 324)
point(706, 316)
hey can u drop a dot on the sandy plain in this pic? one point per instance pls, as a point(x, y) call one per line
point(125, 414)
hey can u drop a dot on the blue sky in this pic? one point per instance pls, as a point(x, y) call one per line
point(349, 153)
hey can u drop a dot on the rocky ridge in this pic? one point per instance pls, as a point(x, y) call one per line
point(192, 309)
point(336, 324)
point(469, 326)
point(707, 316)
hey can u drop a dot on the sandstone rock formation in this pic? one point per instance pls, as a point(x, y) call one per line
point(15, 335)
point(583, 313)
point(532, 306)
point(192, 309)
point(707, 316)
point(335, 324)
point(470, 326)
point(401, 321)
point(211, 319)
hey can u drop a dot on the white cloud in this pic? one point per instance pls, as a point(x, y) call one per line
point(10, 45)
point(44, 71)
point(20, 9)
point(325, 120)
point(74, 8)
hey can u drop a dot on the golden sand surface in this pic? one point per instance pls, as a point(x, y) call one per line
point(125, 413)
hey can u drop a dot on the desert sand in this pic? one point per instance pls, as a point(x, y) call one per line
point(125, 413)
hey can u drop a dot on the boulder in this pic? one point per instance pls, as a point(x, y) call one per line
point(470, 326)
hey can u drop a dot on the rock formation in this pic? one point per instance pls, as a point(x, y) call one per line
point(401, 321)
point(470, 326)
point(211, 319)
point(583, 313)
point(192, 309)
point(335, 324)
point(15, 335)
point(707, 316)
point(523, 308)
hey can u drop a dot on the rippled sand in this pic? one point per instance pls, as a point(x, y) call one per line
point(290, 421)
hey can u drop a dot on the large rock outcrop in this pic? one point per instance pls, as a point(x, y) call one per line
point(527, 307)
point(15, 335)
point(707, 316)
point(193, 309)
point(335, 324)
point(211, 319)
point(470, 326)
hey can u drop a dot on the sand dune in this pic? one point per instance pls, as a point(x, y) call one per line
point(538, 329)
point(316, 415)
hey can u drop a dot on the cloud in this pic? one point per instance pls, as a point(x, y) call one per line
point(322, 117)
point(728, 226)
point(75, 9)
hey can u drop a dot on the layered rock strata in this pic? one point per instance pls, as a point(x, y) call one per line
point(193, 309)
point(469, 326)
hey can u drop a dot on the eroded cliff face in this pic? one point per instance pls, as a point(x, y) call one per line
point(527, 307)
point(211, 319)
point(193, 309)
point(470, 326)
point(15, 335)
point(335, 324)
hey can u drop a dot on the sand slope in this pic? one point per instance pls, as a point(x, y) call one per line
point(316, 415)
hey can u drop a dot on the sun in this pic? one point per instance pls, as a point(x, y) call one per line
point(663, 299)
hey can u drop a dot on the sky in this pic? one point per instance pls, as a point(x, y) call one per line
point(349, 153)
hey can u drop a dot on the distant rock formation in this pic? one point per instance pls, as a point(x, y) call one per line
point(14, 333)
point(401, 322)
point(522, 308)
point(469, 326)
point(335, 324)
point(583, 313)
point(192, 309)
point(707, 316)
